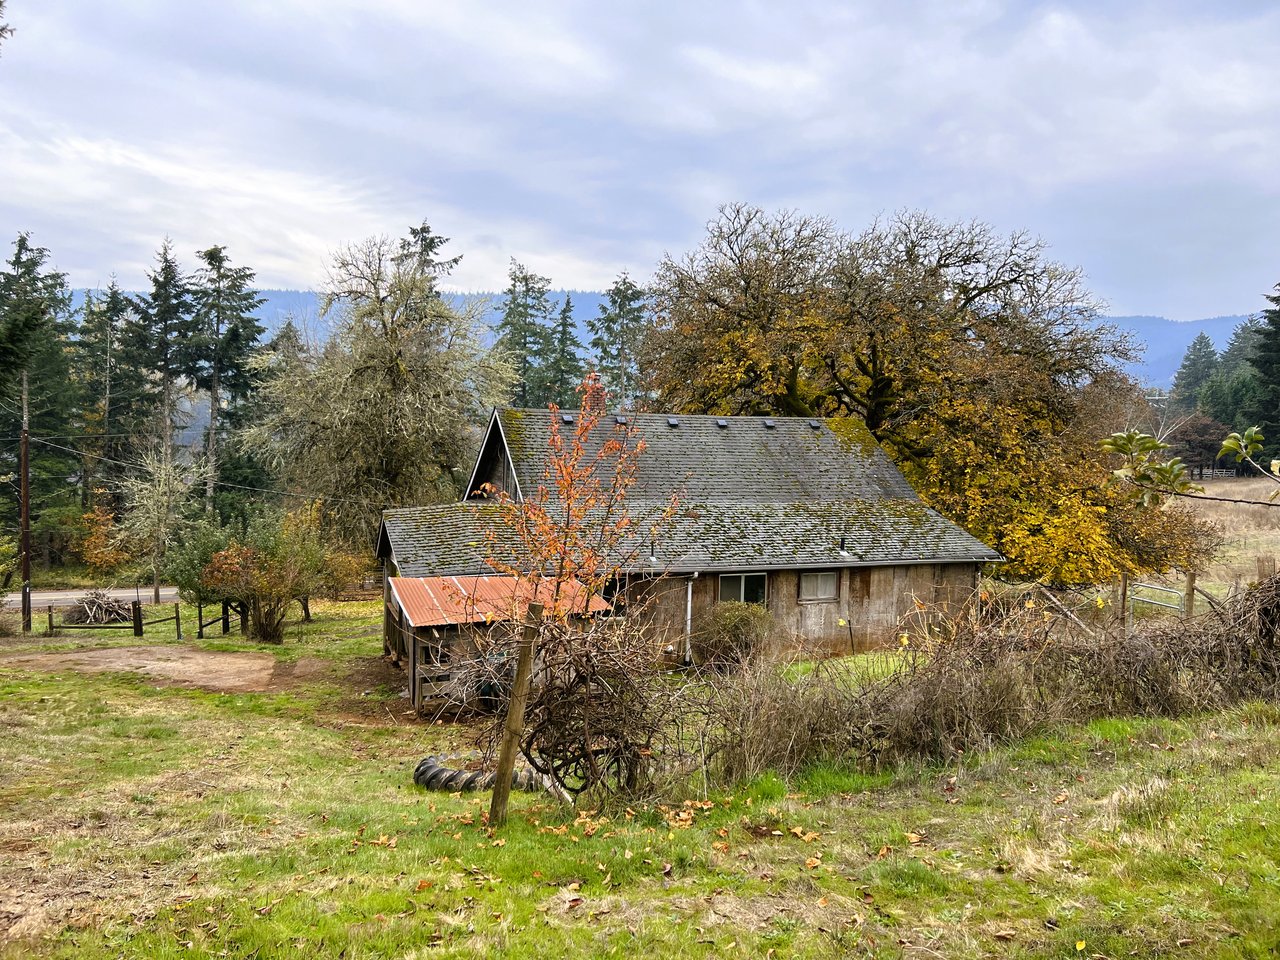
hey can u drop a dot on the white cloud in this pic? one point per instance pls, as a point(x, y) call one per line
point(581, 138)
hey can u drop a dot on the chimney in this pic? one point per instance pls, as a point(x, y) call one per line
point(593, 394)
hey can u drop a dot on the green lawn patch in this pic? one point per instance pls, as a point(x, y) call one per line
point(159, 821)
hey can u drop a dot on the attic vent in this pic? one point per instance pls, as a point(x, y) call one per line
point(722, 424)
point(566, 417)
point(769, 424)
point(816, 424)
point(620, 420)
point(673, 421)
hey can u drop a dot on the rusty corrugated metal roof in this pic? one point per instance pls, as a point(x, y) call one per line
point(450, 601)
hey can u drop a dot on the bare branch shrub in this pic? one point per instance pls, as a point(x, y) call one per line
point(731, 633)
point(779, 717)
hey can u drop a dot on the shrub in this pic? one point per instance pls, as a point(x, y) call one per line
point(764, 717)
point(732, 633)
point(277, 561)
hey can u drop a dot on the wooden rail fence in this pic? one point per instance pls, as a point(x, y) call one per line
point(138, 624)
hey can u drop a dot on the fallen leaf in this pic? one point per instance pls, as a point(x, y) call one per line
point(424, 885)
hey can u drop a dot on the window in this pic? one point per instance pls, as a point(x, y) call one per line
point(743, 587)
point(817, 587)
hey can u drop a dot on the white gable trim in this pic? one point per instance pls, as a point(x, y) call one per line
point(494, 420)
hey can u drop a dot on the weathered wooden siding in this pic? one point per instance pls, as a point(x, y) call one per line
point(872, 601)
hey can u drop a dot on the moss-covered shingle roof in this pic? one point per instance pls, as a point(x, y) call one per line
point(753, 494)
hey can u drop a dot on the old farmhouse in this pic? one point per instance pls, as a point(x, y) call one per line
point(808, 517)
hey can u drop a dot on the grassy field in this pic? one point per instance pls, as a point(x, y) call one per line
point(1249, 531)
point(141, 818)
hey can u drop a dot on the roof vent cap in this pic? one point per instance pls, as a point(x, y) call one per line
point(566, 417)
point(816, 424)
point(620, 419)
point(673, 421)
point(722, 424)
point(769, 424)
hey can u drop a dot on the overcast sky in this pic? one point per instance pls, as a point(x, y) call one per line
point(1140, 140)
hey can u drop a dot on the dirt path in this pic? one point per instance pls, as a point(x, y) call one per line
point(218, 671)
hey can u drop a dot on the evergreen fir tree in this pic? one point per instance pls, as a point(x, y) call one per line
point(161, 343)
point(525, 334)
point(1242, 345)
point(103, 394)
point(226, 338)
point(29, 298)
point(1229, 397)
point(1264, 411)
point(564, 364)
point(35, 301)
point(616, 335)
point(1198, 364)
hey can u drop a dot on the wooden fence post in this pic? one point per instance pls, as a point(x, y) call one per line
point(51, 619)
point(199, 621)
point(135, 608)
point(177, 620)
point(226, 618)
point(1124, 604)
point(515, 720)
point(1189, 604)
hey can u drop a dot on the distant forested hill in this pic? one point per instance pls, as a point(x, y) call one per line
point(1165, 340)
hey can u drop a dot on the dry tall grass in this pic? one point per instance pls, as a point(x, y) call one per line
point(1250, 530)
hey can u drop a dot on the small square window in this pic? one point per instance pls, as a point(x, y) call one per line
point(816, 587)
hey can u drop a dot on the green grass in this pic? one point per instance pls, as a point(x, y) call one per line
point(160, 822)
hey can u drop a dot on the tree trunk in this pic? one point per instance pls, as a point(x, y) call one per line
point(211, 444)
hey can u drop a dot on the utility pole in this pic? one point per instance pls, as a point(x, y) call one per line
point(24, 455)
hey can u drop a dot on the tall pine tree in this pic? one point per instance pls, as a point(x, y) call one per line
point(35, 299)
point(1265, 408)
point(616, 336)
point(564, 367)
point(28, 299)
point(524, 333)
point(226, 337)
point(1243, 344)
point(103, 394)
point(1199, 363)
point(160, 342)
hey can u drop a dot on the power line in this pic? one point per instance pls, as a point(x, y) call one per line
point(218, 483)
point(73, 436)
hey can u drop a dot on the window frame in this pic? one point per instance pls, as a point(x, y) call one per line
point(832, 598)
point(742, 587)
